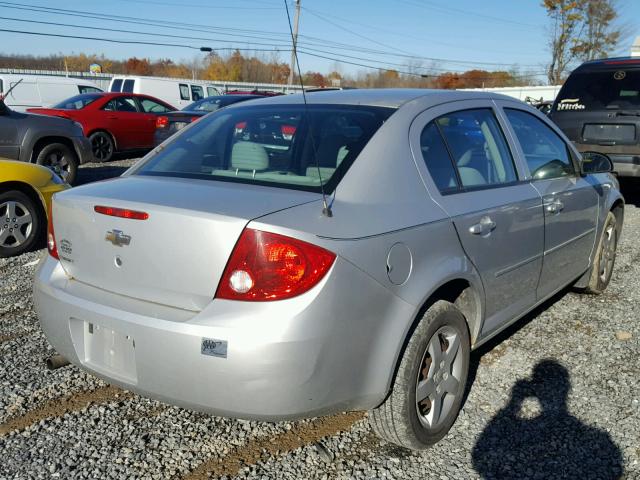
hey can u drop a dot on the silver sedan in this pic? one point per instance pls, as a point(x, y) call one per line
point(281, 259)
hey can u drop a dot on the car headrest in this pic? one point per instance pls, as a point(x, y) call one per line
point(249, 156)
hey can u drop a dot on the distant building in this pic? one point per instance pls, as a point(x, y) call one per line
point(635, 48)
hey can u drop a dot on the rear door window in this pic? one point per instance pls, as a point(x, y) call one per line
point(116, 85)
point(122, 104)
point(127, 86)
point(437, 158)
point(197, 92)
point(211, 91)
point(600, 90)
point(547, 155)
point(151, 106)
point(478, 148)
point(286, 146)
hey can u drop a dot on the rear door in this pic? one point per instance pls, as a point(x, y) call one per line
point(475, 177)
point(149, 111)
point(570, 200)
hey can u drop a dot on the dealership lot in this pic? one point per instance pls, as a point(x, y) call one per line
point(582, 409)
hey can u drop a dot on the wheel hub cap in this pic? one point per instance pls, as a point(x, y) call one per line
point(16, 224)
point(439, 377)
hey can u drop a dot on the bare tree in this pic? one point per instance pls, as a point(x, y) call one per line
point(580, 30)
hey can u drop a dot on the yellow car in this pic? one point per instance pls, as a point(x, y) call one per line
point(25, 193)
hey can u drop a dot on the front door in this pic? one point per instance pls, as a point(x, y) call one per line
point(124, 120)
point(499, 219)
point(570, 200)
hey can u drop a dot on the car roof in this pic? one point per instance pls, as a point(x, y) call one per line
point(614, 63)
point(381, 97)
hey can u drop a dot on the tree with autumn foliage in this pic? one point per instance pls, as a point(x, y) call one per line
point(580, 30)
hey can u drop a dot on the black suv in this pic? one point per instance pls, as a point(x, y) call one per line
point(598, 108)
point(57, 143)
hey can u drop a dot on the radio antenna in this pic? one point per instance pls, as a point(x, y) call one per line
point(326, 206)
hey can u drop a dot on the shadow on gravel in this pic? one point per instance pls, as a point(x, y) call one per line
point(630, 188)
point(517, 444)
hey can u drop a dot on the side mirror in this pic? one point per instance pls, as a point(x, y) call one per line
point(594, 162)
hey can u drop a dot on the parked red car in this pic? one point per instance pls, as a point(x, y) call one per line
point(114, 122)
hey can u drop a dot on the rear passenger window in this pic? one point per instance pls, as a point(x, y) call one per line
point(478, 147)
point(127, 86)
point(436, 156)
point(197, 92)
point(184, 91)
point(545, 152)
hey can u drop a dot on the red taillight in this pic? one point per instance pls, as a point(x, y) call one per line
point(162, 122)
point(51, 236)
point(195, 119)
point(121, 212)
point(266, 266)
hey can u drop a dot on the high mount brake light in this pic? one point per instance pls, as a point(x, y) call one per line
point(121, 212)
point(162, 122)
point(267, 266)
point(51, 236)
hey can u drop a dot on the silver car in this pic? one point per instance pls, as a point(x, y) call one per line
point(284, 259)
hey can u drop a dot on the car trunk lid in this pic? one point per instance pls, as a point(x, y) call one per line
point(174, 257)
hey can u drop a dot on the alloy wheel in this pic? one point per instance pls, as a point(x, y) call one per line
point(101, 146)
point(59, 163)
point(439, 376)
point(16, 224)
point(608, 253)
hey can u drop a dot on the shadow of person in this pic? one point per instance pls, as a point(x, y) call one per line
point(520, 443)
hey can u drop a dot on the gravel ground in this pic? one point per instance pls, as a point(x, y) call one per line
point(556, 396)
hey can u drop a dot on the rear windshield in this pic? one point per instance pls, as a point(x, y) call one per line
point(613, 89)
point(77, 102)
point(278, 145)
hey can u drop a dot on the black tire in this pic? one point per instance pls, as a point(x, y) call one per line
point(102, 146)
point(17, 238)
point(61, 159)
point(401, 419)
point(605, 257)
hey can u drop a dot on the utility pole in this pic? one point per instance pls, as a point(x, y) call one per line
point(295, 42)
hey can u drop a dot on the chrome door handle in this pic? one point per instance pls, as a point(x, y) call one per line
point(484, 227)
point(555, 207)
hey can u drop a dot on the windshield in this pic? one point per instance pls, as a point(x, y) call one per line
point(273, 145)
point(77, 102)
point(613, 89)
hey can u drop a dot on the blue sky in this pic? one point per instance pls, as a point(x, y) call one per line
point(446, 35)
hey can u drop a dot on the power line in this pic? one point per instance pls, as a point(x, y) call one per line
point(136, 42)
point(217, 30)
point(459, 11)
point(165, 35)
point(215, 7)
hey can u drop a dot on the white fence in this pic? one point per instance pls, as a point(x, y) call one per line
point(103, 80)
point(545, 92)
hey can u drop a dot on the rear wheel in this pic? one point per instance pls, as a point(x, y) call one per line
point(102, 146)
point(21, 223)
point(605, 258)
point(427, 392)
point(61, 159)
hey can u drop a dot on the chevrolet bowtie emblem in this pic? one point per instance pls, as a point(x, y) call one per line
point(118, 238)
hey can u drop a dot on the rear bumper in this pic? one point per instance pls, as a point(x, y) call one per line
point(82, 146)
point(322, 352)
